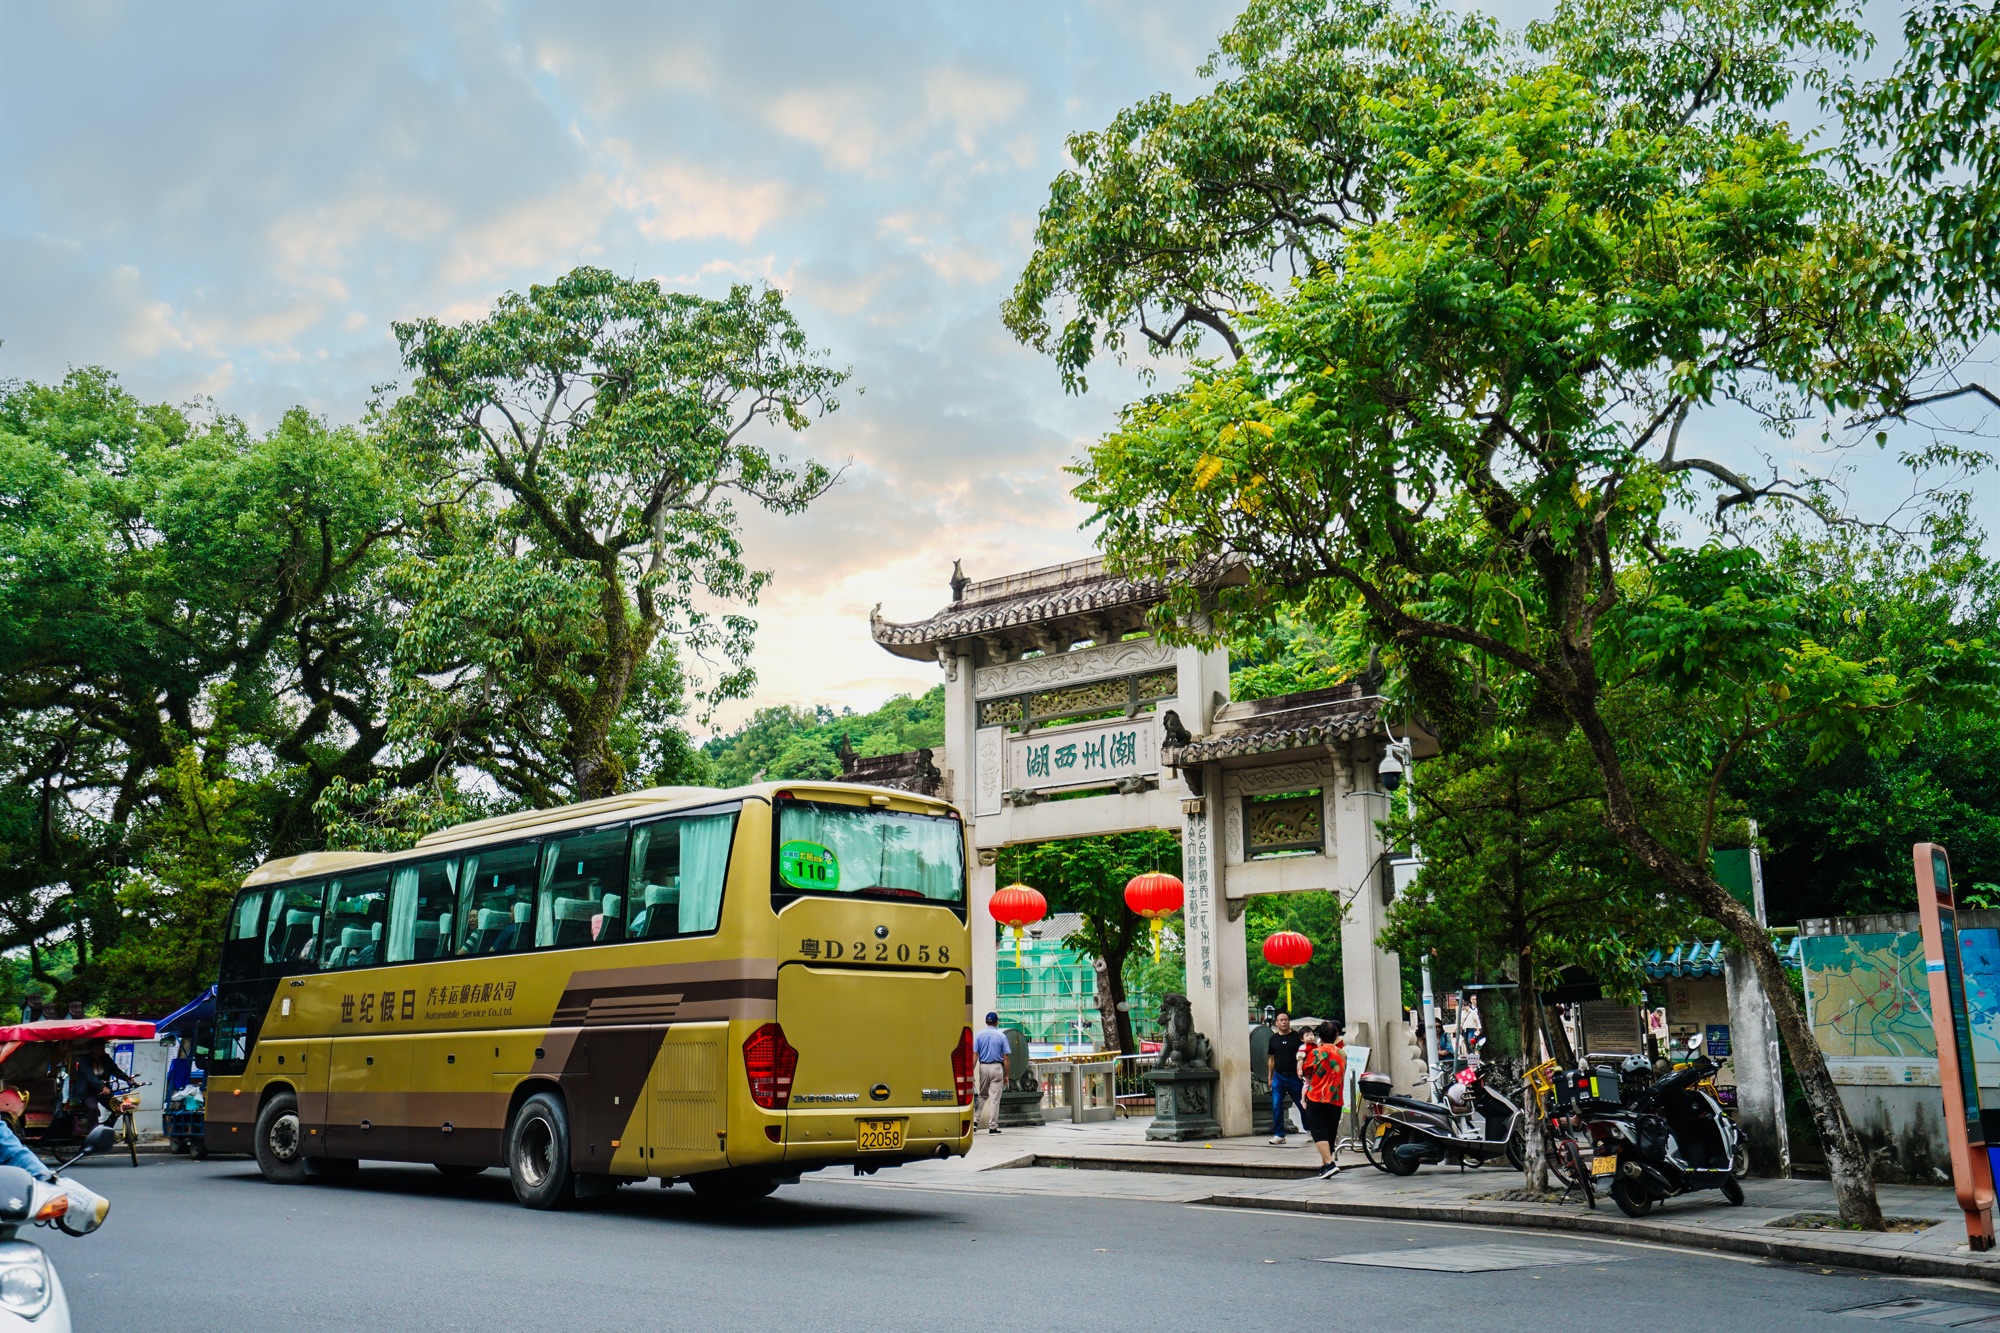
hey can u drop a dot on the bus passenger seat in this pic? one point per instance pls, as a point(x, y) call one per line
point(573, 921)
point(487, 925)
point(613, 908)
point(426, 945)
point(660, 912)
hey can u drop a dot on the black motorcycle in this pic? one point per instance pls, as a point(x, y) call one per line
point(1659, 1138)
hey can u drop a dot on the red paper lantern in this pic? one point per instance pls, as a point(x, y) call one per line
point(1017, 906)
point(1288, 949)
point(1153, 896)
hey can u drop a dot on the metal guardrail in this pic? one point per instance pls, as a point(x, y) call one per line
point(1132, 1073)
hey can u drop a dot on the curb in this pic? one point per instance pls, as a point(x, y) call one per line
point(1155, 1166)
point(1736, 1242)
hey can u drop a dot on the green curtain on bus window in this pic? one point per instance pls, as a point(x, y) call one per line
point(403, 915)
point(545, 913)
point(468, 879)
point(704, 862)
point(880, 850)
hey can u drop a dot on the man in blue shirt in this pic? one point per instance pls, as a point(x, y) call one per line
point(991, 1049)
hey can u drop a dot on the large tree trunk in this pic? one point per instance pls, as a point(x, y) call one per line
point(1112, 1010)
point(1527, 1011)
point(1846, 1161)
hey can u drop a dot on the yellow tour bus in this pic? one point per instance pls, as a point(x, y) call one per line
point(685, 983)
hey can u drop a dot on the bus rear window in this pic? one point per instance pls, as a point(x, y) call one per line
point(844, 849)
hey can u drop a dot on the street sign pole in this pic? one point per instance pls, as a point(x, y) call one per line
point(1958, 1073)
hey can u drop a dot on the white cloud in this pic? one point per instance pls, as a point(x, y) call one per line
point(685, 201)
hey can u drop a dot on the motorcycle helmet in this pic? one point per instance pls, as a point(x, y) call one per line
point(1635, 1065)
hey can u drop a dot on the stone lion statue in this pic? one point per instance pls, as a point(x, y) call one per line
point(1181, 1046)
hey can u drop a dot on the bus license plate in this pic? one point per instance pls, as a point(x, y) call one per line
point(879, 1135)
point(1603, 1166)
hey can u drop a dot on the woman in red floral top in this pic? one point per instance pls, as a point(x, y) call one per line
point(1323, 1066)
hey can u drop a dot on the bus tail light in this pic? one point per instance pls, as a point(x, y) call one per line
point(770, 1061)
point(961, 1066)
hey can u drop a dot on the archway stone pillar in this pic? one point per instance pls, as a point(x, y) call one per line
point(1218, 983)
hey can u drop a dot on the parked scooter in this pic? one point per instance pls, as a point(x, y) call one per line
point(31, 1295)
point(1659, 1138)
point(1473, 1125)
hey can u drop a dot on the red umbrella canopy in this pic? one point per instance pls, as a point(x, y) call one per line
point(1288, 949)
point(1154, 895)
point(1017, 905)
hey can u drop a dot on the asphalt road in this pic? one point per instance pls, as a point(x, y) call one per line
point(212, 1246)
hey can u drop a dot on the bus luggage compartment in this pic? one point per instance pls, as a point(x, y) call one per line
point(874, 1045)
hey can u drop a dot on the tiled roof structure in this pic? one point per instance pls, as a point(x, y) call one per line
point(912, 770)
point(1703, 958)
point(1050, 607)
point(1342, 712)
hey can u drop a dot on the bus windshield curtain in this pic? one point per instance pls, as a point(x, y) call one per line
point(403, 915)
point(704, 862)
point(883, 851)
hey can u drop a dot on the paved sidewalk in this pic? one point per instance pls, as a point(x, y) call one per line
point(1114, 1160)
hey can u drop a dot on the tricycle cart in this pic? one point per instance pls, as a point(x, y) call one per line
point(44, 1071)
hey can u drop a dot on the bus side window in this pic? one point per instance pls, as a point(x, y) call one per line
point(678, 868)
point(423, 900)
point(496, 910)
point(576, 873)
point(242, 947)
point(291, 927)
point(357, 916)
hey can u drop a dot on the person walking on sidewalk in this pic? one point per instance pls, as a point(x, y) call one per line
point(1323, 1070)
point(991, 1049)
point(1281, 1066)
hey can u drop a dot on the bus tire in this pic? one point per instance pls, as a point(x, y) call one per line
point(538, 1153)
point(280, 1141)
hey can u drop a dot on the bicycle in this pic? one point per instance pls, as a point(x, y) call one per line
point(1563, 1136)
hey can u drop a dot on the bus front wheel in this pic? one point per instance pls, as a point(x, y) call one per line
point(538, 1153)
point(281, 1141)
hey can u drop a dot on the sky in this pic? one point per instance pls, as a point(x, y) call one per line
point(235, 201)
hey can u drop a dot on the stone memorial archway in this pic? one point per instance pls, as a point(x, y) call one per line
point(1065, 719)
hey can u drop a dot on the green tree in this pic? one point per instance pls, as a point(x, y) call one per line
point(791, 742)
point(1088, 876)
point(1522, 877)
point(1925, 142)
point(1317, 988)
point(173, 583)
point(1837, 835)
point(582, 450)
point(1471, 412)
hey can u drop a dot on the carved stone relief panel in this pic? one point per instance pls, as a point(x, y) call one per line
point(1079, 665)
point(1282, 777)
point(987, 766)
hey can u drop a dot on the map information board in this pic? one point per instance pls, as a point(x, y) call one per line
point(1869, 1002)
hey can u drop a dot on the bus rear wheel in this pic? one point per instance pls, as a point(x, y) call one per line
point(538, 1153)
point(281, 1141)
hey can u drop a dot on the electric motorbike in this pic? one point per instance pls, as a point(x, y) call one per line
point(31, 1295)
point(1473, 1125)
point(1656, 1139)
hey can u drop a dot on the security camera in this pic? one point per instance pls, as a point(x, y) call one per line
point(1390, 771)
